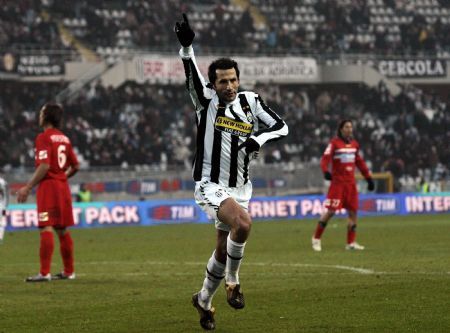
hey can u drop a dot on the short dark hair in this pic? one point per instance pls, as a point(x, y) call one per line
point(342, 124)
point(221, 63)
point(53, 114)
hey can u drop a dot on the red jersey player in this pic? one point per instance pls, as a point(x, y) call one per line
point(343, 154)
point(55, 162)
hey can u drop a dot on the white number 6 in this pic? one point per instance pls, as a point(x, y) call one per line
point(62, 158)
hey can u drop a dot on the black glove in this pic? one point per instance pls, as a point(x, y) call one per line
point(327, 175)
point(250, 146)
point(370, 184)
point(184, 32)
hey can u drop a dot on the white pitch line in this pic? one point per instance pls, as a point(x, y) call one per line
point(352, 269)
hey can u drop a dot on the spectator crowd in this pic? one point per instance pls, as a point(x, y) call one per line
point(383, 27)
point(153, 126)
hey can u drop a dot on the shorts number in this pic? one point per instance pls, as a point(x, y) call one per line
point(62, 157)
point(333, 203)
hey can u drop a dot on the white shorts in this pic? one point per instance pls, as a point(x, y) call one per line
point(209, 196)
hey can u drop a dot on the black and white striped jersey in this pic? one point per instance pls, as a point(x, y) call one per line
point(221, 128)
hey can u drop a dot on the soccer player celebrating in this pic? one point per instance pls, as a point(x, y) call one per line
point(231, 128)
point(343, 153)
point(55, 162)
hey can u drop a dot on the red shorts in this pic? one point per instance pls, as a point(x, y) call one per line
point(54, 204)
point(342, 196)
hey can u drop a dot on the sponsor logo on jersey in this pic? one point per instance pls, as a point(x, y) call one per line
point(232, 126)
point(345, 157)
point(42, 154)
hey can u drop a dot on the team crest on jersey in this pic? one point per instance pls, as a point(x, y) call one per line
point(233, 127)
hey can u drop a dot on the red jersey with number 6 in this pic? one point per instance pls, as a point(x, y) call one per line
point(343, 155)
point(55, 149)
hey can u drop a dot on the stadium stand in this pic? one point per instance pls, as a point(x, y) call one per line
point(274, 26)
point(151, 126)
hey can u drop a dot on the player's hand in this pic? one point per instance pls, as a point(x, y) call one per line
point(250, 146)
point(370, 184)
point(23, 193)
point(327, 175)
point(184, 32)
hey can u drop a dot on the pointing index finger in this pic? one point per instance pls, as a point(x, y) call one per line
point(185, 19)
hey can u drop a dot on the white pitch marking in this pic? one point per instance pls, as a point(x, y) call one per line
point(358, 270)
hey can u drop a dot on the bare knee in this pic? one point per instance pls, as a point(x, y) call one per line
point(243, 225)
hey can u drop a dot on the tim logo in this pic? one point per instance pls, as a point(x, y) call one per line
point(173, 213)
point(378, 205)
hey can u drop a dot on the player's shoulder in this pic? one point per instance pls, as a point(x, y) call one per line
point(250, 96)
point(41, 137)
point(355, 143)
point(335, 140)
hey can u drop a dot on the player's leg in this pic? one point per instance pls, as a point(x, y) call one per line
point(66, 250)
point(320, 228)
point(331, 204)
point(351, 232)
point(351, 204)
point(214, 274)
point(239, 221)
point(65, 238)
point(209, 196)
point(45, 255)
point(49, 215)
point(215, 271)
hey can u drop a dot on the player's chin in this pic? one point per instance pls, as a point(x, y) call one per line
point(229, 97)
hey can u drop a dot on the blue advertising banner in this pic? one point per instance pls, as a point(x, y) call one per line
point(156, 212)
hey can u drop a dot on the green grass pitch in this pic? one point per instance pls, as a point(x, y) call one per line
point(140, 279)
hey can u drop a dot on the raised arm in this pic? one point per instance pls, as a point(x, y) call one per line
point(195, 83)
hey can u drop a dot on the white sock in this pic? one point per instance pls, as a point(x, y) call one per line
point(214, 274)
point(235, 253)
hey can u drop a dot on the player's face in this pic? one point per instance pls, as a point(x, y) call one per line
point(347, 130)
point(227, 84)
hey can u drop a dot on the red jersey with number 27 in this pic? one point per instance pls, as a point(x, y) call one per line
point(343, 157)
point(55, 149)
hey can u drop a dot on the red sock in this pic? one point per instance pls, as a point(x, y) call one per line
point(351, 234)
point(66, 248)
point(320, 229)
point(46, 251)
